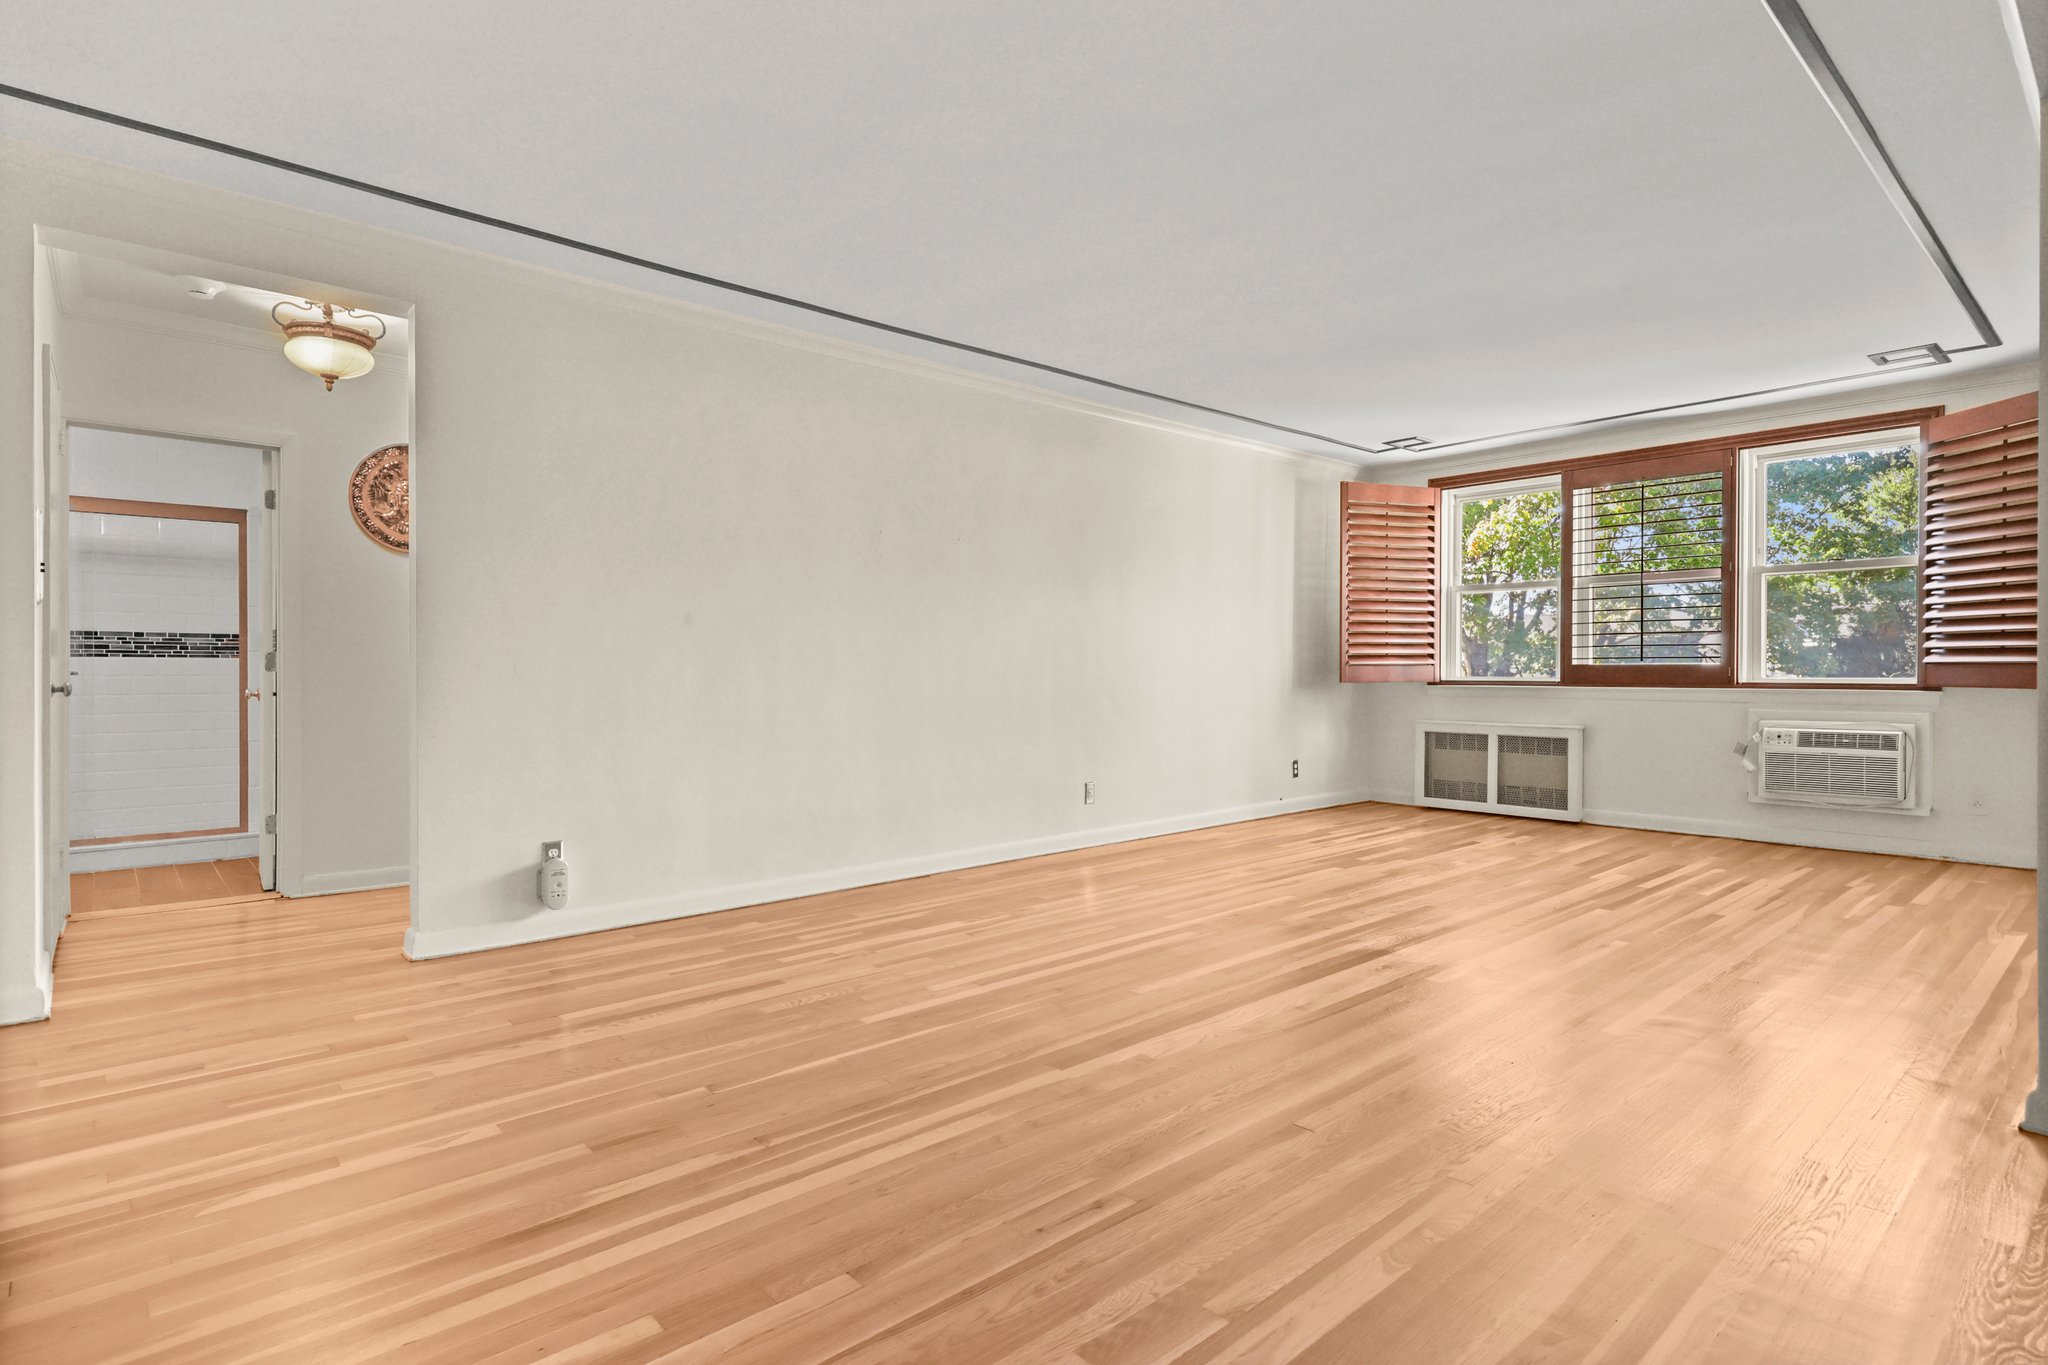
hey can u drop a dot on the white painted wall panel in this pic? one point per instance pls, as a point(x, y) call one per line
point(736, 612)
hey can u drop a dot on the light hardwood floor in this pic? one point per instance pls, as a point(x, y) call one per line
point(1352, 1087)
point(138, 888)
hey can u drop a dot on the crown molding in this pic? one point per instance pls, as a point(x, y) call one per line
point(2016, 376)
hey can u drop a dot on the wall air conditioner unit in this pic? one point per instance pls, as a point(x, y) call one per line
point(1502, 769)
point(1854, 764)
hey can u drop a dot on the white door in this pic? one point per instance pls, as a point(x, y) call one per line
point(262, 655)
point(57, 650)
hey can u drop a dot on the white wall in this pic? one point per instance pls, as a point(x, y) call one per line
point(738, 612)
point(30, 855)
point(345, 656)
point(1664, 758)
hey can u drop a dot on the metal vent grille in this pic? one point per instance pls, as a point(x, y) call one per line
point(1849, 739)
point(1536, 798)
point(1535, 771)
point(1825, 773)
point(1454, 766)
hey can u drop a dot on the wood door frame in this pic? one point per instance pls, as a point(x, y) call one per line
point(239, 518)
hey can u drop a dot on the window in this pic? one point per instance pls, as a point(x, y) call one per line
point(1831, 555)
point(1387, 593)
point(1649, 560)
point(1979, 571)
point(1505, 553)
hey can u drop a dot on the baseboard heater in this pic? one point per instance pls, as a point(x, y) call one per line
point(1502, 769)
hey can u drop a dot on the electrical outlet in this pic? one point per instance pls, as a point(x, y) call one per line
point(1297, 769)
point(1087, 793)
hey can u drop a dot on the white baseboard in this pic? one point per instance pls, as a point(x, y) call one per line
point(360, 879)
point(1847, 841)
point(210, 848)
point(429, 943)
point(24, 1004)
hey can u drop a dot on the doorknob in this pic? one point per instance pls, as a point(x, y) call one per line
point(60, 689)
point(252, 696)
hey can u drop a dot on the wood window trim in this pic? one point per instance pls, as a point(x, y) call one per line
point(1681, 676)
point(1570, 673)
point(1810, 431)
point(1992, 452)
point(239, 519)
point(1389, 590)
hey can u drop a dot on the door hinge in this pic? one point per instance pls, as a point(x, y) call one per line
point(270, 498)
point(270, 824)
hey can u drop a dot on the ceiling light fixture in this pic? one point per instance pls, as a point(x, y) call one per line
point(328, 349)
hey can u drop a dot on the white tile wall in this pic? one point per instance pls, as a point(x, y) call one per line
point(155, 743)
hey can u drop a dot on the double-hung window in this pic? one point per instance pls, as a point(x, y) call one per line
point(1504, 546)
point(1830, 560)
point(1896, 551)
point(1650, 556)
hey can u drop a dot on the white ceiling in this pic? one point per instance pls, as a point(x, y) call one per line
point(1361, 218)
point(114, 289)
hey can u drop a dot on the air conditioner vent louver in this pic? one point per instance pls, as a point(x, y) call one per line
point(1861, 766)
point(1505, 769)
point(1831, 774)
point(1848, 739)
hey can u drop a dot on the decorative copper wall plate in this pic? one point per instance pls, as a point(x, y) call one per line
point(379, 493)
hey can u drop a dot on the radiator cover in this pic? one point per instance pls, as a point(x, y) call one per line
point(1500, 768)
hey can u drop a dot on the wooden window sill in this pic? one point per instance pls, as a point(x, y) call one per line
point(1694, 687)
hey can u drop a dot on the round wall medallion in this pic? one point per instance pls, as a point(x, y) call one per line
point(379, 493)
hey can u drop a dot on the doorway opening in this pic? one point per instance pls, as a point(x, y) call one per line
point(225, 610)
point(172, 621)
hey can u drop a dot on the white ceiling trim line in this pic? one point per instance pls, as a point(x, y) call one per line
point(644, 263)
point(1788, 15)
point(1996, 382)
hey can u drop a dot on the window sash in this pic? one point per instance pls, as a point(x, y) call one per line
point(1451, 648)
point(1742, 574)
point(1692, 472)
point(1754, 537)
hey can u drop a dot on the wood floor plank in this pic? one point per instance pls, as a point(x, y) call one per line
point(1284, 1091)
point(175, 884)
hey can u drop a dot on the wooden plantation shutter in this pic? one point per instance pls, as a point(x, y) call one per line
point(1649, 568)
point(1387, 603)
point(1979, 567)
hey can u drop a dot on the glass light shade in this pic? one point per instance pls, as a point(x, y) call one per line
point(330, 358)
